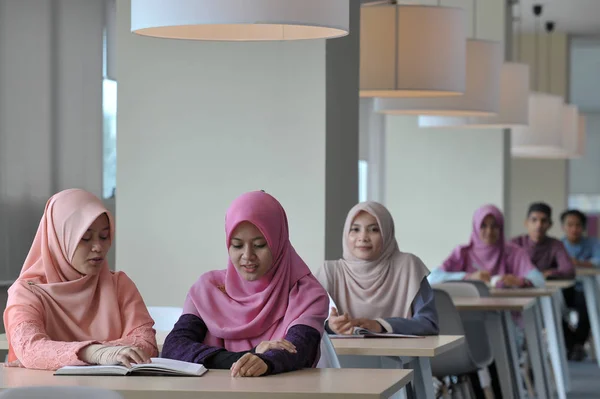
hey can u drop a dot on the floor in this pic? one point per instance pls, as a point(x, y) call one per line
point(585, 380)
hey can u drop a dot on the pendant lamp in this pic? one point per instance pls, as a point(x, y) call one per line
point(482, 94)
point(412, 51)
point(573, 132)
point(514, 104)
point(581, 136)
point(546, 134)
point(543, 137)
point(481, 98)
point(240, 20)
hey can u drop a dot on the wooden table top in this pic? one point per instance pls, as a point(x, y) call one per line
point(560, 284)
point(309, 383)
point(493, 304)
point(522, 292)
point(410, 347)
point(588, 271)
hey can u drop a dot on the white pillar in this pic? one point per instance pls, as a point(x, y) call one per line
point(50, 112)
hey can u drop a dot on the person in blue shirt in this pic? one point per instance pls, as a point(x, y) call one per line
point(584, 252)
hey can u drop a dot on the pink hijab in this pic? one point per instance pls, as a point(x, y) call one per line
point(381, 288)
point(498, 259)
point(240, 314)
point(74, 308)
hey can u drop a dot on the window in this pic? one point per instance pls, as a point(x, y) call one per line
point(586, 203)
point(363, 175)
point(109, 156)
point(109, 128)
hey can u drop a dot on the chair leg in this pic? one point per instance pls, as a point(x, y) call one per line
point(528, 382)
point(471, 391)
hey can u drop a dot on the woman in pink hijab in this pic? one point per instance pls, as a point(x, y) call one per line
point(67, 308)
point(262, 315)
point(375, 285)
point(488, 257)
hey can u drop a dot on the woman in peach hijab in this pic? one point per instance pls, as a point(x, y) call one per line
point(67, 308)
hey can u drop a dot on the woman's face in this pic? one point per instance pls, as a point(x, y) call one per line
point(249, 252)
point(490, 230)
point(364, 239)
point(91, 251)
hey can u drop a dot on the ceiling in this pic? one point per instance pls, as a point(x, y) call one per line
point(577, 17)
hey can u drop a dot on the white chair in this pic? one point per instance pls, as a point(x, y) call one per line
point(476, 336)
point(164, 317)
point(59, 393)
point(470, 357)
point(329, 359)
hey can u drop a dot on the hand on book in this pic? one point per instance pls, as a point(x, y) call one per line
point(480, 275)
point(106, 355)
point(281, 344)
point(249, 365)
point(371, 325)
point(340, 324)
point(510, 281)
point(548, 273)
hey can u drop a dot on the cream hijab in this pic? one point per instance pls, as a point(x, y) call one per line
point(381, 288)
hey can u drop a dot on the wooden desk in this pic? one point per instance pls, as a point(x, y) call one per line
point(217, 384)
point(560, 284)
point(414, 353)
point(587, 271)
point(503, 340)
point(522, 292)
point(413, 347)
point(493, 304)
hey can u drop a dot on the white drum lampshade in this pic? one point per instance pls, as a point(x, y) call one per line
point(582, 135)
point(514, 104)
point(543, 137)
point(573, 132)
point(412, 51)
point(482, 95)
point(241, 20)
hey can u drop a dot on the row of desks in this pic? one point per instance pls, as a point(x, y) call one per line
point(350, 383)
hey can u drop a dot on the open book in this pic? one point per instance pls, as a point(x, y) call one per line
point(159, 366)
point(359, 332)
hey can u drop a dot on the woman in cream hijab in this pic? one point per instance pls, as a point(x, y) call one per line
point(375, 285)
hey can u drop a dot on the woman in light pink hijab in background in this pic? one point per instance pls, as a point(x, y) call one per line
point(488, 257)
point(262, 315)
point(67, 308)
point(375, 285)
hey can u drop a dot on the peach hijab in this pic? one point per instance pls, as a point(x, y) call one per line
point(71, 306)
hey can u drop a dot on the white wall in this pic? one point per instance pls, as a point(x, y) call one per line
point(199, 124)
point(585, 93)
point(537, 180)
point(435, 181)
point(584, 67)
point(584, 176)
